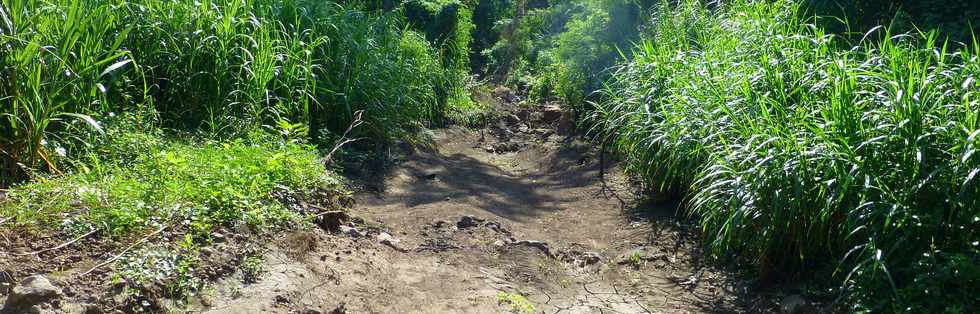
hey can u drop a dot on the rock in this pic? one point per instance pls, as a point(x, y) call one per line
point(331, 221)
point(390, 241)
point(31, 291)
point(505, 94)
point(566, 123)
point(351, 231)
point(543, 246)
point(311, 310)
point(589, 258)
point(511, 119)
point(524, 115)
point(795, 304)
point(550, 113)
point(468, 222)
point(542, 132)
point(92, 309)
point(428, 176)
point(505, 147)
point(340, 309)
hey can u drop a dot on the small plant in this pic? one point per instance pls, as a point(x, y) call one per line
point(252, 268)
point(518, 303)
point(636, 259)
point(154, 272)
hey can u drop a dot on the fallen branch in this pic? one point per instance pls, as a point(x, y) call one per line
point(59, 246)
point(130, 247)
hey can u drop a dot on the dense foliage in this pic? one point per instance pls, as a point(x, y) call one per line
point(218, 67)
point(798, 151)
point(561, 49)
point(957, 20)
point(811, 142)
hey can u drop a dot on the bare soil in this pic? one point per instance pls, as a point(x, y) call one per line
point(513, 209)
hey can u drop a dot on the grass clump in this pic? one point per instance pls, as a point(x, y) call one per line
point(799, 152)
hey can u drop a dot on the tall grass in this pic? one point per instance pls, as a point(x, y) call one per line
point(798, 150)
point(221, 67)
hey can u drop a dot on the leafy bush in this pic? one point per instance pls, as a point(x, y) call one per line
point(797, 152)
point(198, 187)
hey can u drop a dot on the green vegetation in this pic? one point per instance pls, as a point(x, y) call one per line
point(218, 67)
point(806, 147)
point(122, 119)
point(798, 151)
point(957, 20)
point(518, 303)
point(198, 186)
point(810, 141)
point(562, 49)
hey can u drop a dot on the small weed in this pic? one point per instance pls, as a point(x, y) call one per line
point(636, 259)
point(252, 268)
point(518, 303)
point(155, 272)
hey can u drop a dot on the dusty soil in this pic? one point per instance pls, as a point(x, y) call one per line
point(514, 209)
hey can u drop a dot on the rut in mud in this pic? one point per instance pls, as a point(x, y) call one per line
point(510, 218)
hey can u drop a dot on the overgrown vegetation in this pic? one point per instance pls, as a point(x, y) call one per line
point(128, 118)
point(561, 49)
point(200, 186)
point(955, 20)
point(799, 151)
point(817, 139)
point(218, 67)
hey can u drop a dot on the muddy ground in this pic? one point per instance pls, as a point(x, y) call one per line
point(510, 217)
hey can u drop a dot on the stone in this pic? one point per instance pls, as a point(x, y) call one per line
point(511, 119)
point(312, 310)
point(566, 123)
point(351, 231)
point(390, 241)
point(543, 246)
point(590, 258)
point(550, 113)
point(524, 114)
point(31, 291)
point(795, 304)
point(468, 222)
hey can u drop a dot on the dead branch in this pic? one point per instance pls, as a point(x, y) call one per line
point(59, 246)
point(130, 247)
point(344, 140)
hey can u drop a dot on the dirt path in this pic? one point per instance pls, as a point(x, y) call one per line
point(491, 222)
